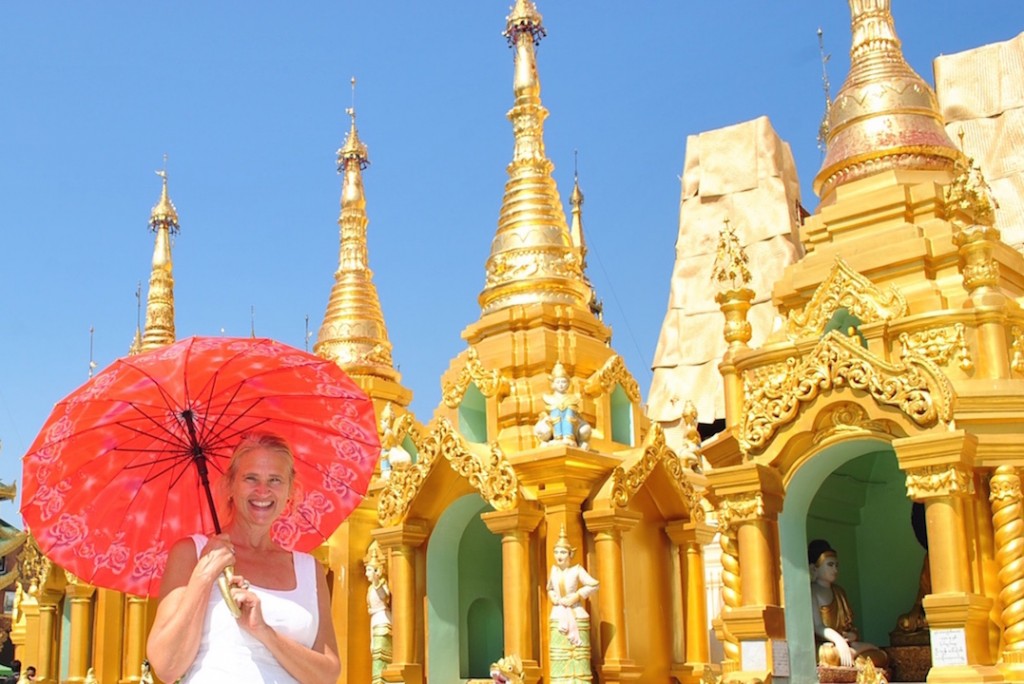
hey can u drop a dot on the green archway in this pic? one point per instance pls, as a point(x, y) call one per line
point(464, 593)
point(854, 495)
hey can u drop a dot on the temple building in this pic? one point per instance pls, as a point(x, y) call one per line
point(864, 363)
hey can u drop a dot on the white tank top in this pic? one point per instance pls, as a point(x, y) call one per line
point(228, 654)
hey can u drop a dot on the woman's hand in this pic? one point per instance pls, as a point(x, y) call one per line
point(218, 554)
point(251, 620)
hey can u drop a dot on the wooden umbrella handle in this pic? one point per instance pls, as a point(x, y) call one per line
point(224, 582)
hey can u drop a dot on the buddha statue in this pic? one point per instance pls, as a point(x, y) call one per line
point(834, 630)
point(561, 420)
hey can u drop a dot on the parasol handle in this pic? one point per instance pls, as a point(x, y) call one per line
point(224, 584)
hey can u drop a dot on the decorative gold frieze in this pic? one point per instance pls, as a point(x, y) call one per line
point(491, 383)
point(737, 509)
point(939, 345)
point(916, 387)
point(626, 482)
point(495, 479)
point(846, 417)
point(940, 480)
point(613, 372)
point(401, 488)
point(844, 287)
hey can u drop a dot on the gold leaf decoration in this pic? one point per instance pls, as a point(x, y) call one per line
point(626, 482)
point(939, 480)
point(916, 387)
point(613, 372)
point(844, 287)
point(490, 383)
point(494, 478)
point(939, 345)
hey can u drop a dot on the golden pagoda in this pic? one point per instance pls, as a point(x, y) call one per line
point(878, 418)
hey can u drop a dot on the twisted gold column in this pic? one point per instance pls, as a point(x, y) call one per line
point(1008, 520)
point(730, 593)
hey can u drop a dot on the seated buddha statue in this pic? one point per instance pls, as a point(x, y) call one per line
point(834, 630)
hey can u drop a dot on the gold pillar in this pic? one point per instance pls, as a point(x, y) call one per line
point(48, 659)
point(607, 526)
point(750, 498)
point(135, 631)
point(939, 474)
point(977, 245)
point(518, 582)
point(690, 538)
point(1008, 520)
point(734, 305)
point(80, 596)
point(401, 543)
point(108, 635)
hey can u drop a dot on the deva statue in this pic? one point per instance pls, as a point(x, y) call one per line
point(562, 420)
point(834, 631)
point(378, 604)
point(569, 622)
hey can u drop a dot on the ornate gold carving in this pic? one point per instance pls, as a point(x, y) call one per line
point(627, 482)
point(730, 271)
point(495, 479)
point(846, 417)
point(730, 588)
point(32, 564)
point(939, 345)
point(969, 197)
point(490, 383)
point(940, 480)
point(611, 373)
point(1017, 348)
point(866, 672)
point(1008, 522)
point(844, 287)
point(733, 510)
point(403, 485)
point(916, 387)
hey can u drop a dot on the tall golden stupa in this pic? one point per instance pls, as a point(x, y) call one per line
point(540, 527)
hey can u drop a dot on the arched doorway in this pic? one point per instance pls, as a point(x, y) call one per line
point(852, 494)
point(464, 589)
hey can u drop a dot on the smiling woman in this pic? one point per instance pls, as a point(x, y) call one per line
point(284, 632)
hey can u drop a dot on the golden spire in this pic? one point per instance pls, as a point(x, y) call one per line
point(533, 259)
point(353, 334)
point(163, 221)
point(885, 116)
point(576, 229)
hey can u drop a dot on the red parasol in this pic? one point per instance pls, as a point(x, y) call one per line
point(122, 467)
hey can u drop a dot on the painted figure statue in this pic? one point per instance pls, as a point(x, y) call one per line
point(393, 455)
point(834, 631)
point(562, 420)
point(569, 622)
point(378, 604)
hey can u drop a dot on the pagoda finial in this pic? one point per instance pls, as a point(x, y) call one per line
point(885, 116)
point(163, 220)
point(353, 333)
point(826, 85)
point(533, 258)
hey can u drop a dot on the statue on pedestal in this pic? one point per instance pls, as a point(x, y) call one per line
point(569, 622)
point(562, 420)
point(834, 631)
point(378, 604)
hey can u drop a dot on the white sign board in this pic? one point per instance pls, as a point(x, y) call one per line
point(780, 658)
point(753, 656)
point(949, 647)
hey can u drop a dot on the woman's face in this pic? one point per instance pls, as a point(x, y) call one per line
point(262, 485)
point(561, 557)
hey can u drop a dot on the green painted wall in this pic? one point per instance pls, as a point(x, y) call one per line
point(473, 416)
point(480, 624)
point(622, 417)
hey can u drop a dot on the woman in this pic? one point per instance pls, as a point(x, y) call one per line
point(569, 621)
point(284, 633)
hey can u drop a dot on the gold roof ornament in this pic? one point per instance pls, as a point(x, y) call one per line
point(731, 270)
point(969, 197)
point(163, 220)
point(353, 333)
point(580, 242)
point(884, 116)
point(533, 258)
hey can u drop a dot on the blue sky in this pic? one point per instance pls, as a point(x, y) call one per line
point(248, 100)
